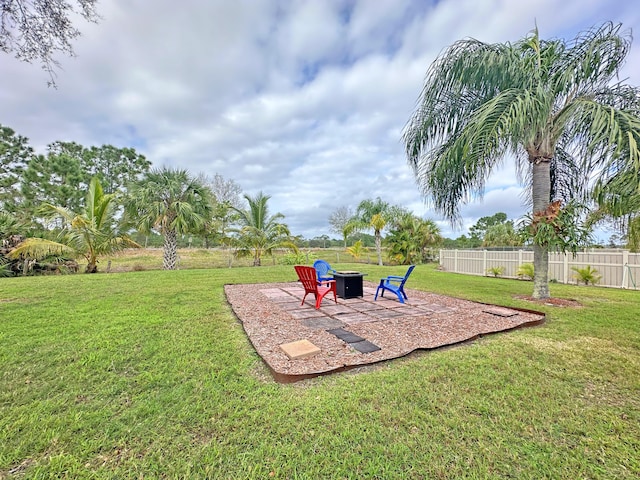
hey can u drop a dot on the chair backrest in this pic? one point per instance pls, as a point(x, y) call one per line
point(406, 275)
point(322, 267)
point(307, 276)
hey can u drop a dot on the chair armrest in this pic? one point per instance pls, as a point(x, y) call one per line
point(394, 277)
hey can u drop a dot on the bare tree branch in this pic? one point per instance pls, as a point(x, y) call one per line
point(35, 30)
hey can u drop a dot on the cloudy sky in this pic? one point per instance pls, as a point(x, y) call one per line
point(303, 100)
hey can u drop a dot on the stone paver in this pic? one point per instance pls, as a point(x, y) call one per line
point(323, 323)
point(311, 313)
point(299, 349)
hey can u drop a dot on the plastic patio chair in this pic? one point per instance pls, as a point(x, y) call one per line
point(307, 276)
point(395, 284)
point(323, 270)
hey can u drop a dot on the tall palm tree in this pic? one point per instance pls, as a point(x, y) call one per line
point(619, 199)
point(172, 202)
point(375, 215)
point(553, 106)
point(260, 232)
point(91, 233)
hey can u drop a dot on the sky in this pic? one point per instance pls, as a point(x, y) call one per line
point(303, 100)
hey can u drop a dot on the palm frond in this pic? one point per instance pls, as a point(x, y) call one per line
point(37, 248)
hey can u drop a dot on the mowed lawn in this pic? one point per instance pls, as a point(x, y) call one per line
point(148, 374)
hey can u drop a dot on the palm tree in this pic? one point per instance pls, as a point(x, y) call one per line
point(260, 232)
point(374, 215)
point(550, 105)
point(412, 238)
point(92, 233)
point(172, 202)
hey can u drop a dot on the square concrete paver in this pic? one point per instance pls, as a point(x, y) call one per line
point(333, 309)
point(274, 293)
point(353, 318)
point(345, 335)
point(306, 313)
point(323, 323)
point(365, 346)
point(386, 313)
point(299, 349)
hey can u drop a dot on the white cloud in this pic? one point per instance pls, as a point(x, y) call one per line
point(303, 100)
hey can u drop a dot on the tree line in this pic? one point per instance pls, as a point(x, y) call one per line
point(86, 202)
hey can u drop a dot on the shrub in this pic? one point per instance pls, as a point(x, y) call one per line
point(525, 271)
point(298, 258)
point(588, 275)
point(496, 271)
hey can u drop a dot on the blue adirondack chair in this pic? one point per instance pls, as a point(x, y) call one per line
point(395, 284)
point(323, 269)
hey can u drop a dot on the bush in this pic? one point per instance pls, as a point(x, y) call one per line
point(587, 275)
point(496, 271)
point(300, 258)
point(525, 271)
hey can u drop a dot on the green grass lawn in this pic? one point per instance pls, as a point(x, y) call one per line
point(148, 374)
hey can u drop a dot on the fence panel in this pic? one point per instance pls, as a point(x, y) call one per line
point(617, 268)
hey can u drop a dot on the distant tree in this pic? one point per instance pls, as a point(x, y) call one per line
point(59, 178)
point(115, 167)
point(260, 232)
point(374, 215)
point(479, 229)
point(15, 154)
point(502, 235)
point(171, 202)
point(227, 195)
point(35, 30)
point(461, 242)
point(91, 233)
point(556, 107)
point(339, 221)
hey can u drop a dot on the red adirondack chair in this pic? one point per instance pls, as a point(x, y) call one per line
point(309, 279)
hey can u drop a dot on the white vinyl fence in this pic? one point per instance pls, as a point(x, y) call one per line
point(618, 268)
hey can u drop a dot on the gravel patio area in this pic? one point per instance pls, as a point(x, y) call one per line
point(358, 331)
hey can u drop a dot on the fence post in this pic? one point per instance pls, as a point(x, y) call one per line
point(565, 268)
point(625, 269)
point(484, 262)
point(455, 260)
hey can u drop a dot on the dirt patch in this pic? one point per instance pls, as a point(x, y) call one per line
point(555, 302)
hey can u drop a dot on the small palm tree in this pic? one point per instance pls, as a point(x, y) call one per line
point(587, 275)
point(496, 271)
point(172, 202)
point(357, 250)
point(526, 270)
point(260, 232)
point(92, 233)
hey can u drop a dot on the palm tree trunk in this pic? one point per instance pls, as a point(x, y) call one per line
point(541, 189)
point(379, 247)
point(170, 255)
